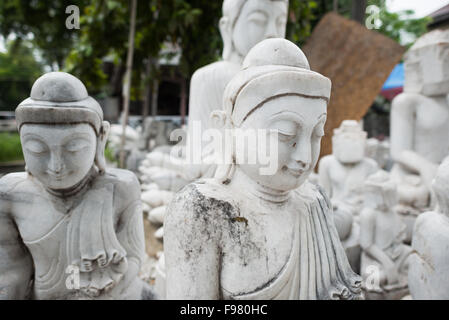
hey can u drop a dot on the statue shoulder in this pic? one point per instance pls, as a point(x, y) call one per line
point(126, 184)
point(221, 70)
point(204, 202)
point(368, 215)
point(11, 181)
point(313, 193)
point(428, 221)
point(371, 164)
point(406, 100)
point(326, 161)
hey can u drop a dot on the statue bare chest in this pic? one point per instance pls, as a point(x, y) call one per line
point(38, 217)
point(256, 248)
point(432, 128)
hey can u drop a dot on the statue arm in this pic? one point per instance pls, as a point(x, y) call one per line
point(130, 232)
point(402, 125)
point(16, 265)
point(192, 255)
point(367, 239)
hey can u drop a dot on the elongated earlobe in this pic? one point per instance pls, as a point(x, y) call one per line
point(100, 160)
point(225, 31)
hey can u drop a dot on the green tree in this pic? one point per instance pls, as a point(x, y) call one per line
point(44, 22)
point(398, 25)
point(18, 70)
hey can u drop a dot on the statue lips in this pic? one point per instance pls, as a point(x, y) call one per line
point(297, 172)
point(56, 176)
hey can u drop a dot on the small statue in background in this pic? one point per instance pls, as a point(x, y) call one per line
point(428, 276)
point(342, 175)
point(384, 261)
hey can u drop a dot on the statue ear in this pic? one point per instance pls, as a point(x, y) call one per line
point(218, 119)
point(226, 34)
point(102, 139)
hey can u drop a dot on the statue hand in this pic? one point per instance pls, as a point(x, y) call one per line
point(392, 274)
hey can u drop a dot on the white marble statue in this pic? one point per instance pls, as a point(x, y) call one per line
point(247, 235)
point(419, 123)
point(384, 261)
point(342, 175)
point(69, 227)
point(428, 276)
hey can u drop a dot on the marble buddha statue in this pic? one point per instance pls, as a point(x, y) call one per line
point(429, 262)
point(382, 233)
point(419, 122)
point(342, 175)
point(69, 227)
point(252, 234)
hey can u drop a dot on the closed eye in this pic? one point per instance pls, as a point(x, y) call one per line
point(258, 17)
point(76, 145)
point(35, 146)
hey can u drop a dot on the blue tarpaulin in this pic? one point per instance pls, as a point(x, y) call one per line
point(396, 78)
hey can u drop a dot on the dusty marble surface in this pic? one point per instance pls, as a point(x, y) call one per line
point(429, 263)
point(246, 235)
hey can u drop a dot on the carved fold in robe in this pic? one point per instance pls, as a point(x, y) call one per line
point(93, 243)
point(89, 244)
point(317, 267)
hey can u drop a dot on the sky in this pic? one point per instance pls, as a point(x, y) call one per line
point(422, 8)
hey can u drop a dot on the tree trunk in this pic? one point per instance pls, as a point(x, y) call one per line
point(148, 85)
point(183, 105)
point(336, 6)
point(358, 10)
point(154, 97)
point(127, 82)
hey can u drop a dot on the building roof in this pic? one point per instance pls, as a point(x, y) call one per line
point(441, 16)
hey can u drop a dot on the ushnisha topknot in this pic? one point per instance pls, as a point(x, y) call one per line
point(272, 69)
point(59, 98)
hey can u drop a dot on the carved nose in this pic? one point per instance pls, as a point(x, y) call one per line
point(302, 155)
point(56, 164)
point(271, 31)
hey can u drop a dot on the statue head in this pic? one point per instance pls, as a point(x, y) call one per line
point(427, 64)
point(62, 131)
point(348, 142)
point(380, 191)
point(277, 93)
point(247, 22)
point(440, 187)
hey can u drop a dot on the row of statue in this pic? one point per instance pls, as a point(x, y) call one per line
point(72, 228)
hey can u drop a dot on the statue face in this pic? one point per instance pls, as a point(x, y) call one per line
point(299, 124)
point(427, 70)
point(349, 147)
point(259, 20)
point(59, 156)
point(435, 69)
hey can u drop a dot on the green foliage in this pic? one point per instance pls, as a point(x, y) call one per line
point(109, 155)
point(45, 21)
point(396, 25)
point(302, 14)
point(11, 149)
point(18, 70)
